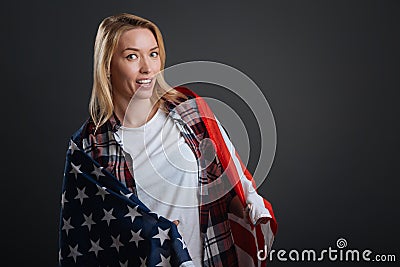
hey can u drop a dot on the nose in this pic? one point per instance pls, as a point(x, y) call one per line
point(145, 65)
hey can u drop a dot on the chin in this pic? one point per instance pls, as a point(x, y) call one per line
point(144, 93)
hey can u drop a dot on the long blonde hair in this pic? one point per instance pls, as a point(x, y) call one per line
point(110, 29)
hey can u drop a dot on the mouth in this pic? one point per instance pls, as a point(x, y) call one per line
point(144, 81)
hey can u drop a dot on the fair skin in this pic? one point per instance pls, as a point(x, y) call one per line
point(134, 63)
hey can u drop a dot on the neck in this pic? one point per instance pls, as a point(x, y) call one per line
point(136, 113)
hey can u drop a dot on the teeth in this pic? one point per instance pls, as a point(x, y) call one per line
point(144, 81)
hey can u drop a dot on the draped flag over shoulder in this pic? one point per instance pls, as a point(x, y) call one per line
point(249, 240)
point(103, 224)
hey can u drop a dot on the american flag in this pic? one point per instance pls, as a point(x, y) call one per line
point(103, 224)
point(251, 241)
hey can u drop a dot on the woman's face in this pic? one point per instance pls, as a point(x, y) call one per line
point(134, 64)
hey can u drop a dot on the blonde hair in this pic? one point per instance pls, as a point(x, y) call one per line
point(101, 106)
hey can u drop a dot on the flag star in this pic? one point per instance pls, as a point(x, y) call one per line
point(63, 199)
point(97, 171)
point(88, 221)
point(164, 261)
point(124, 264)
point(74, 252)
point(73, 147)
point(108, 216)
point(67, 225)
point(75, 170)
point(126, 195)
point(183, 243)
point(142, 262)
point(116, 243)
point(81, 194)
point(102, 192)
point(162, 235)
point(95, 247)
point(136, 237)
point(132, 213)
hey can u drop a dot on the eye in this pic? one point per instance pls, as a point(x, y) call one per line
point(154, 54)
point(131, 56)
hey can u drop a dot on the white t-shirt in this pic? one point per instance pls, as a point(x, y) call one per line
point(166, 175)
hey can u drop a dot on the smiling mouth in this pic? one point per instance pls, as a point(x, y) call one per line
point(146, 81)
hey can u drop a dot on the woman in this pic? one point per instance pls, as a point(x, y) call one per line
point(151, 177)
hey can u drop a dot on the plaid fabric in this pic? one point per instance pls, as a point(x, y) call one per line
point(100, 144)
point(219, 249)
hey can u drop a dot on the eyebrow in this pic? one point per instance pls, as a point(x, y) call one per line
point(136, 49)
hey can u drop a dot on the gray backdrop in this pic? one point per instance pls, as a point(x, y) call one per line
point(329, 69)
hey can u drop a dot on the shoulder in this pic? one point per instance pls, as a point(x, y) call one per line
point(186, 91)
point(187, 105)
point(85, 131)
point(78, 135)
point(195, 103)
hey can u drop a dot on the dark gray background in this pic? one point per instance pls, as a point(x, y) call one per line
point(329, 69)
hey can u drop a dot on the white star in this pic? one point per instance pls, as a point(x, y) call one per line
point(63, 199)
point(67, 225)
point(116, 243)
point(81, 194)
point(108, 216)
point(136, 237)
point(102, 192)
point(95, 247)
point(183, 243)
point(97, 171)
point(75, 170)
point(142, 262)
point(73, 147)
point(132, 213)
point(164, 261)
point(74, 252)
point(59, 256)
point(124, 264)
point(126, 195)
point(162, 235)
point(88, 221)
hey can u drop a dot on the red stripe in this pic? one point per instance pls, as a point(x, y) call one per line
point(244, 239)
point(260, 242)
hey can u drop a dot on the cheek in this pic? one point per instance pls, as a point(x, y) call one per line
point(155, 64)
point(158, 65)
point(124, 72)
